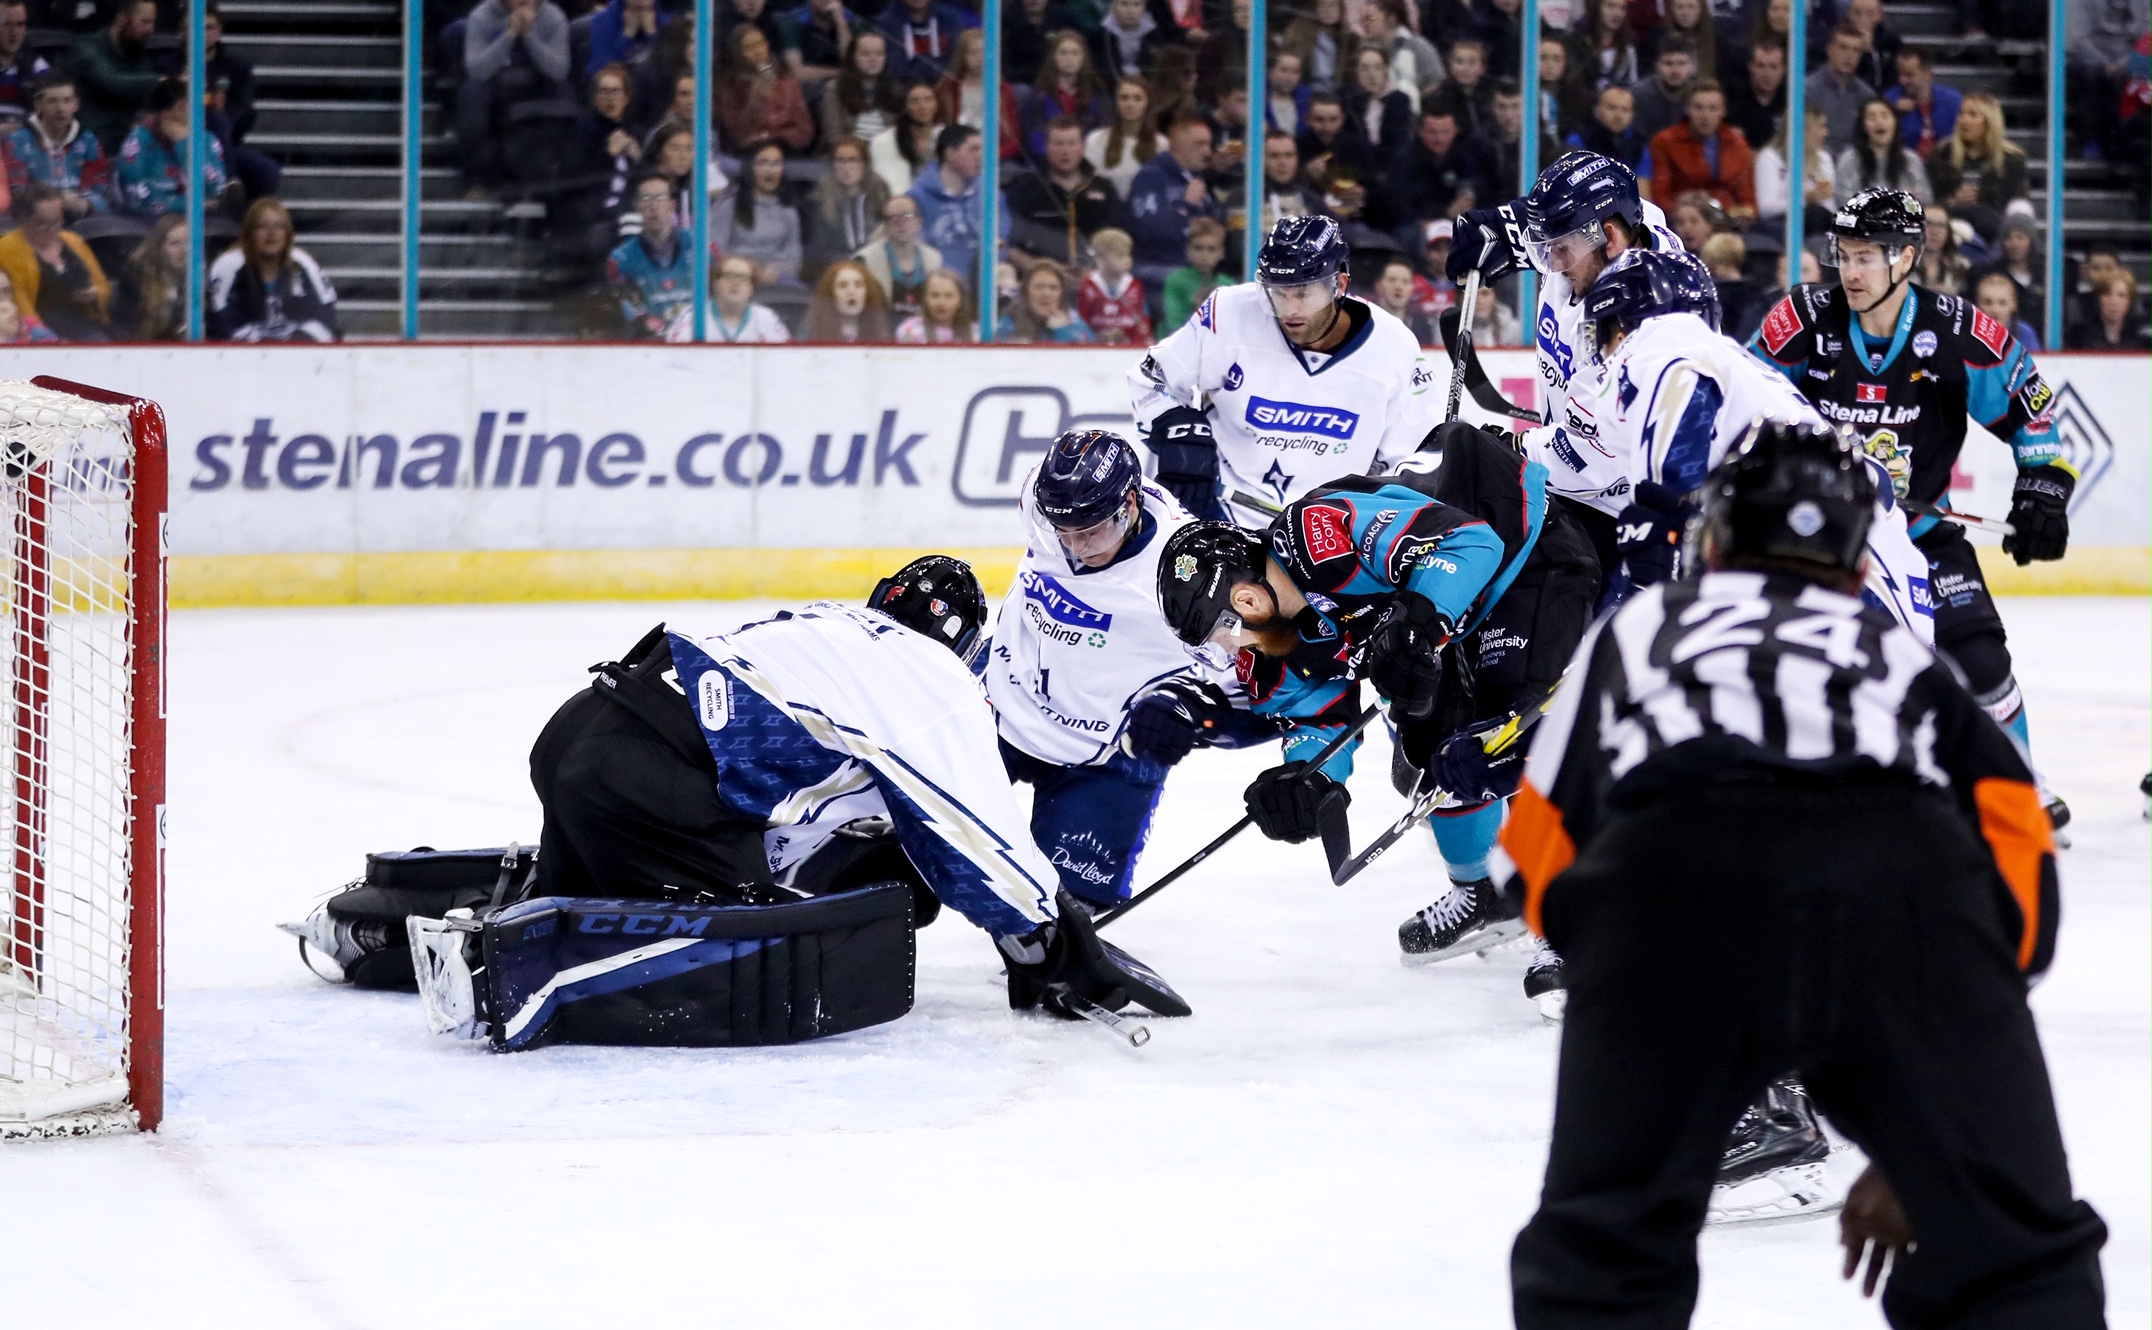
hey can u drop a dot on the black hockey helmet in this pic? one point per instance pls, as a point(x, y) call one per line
point(1300, 250)
point(1197, 571)
point(1891, 218)
point(1642, 284)
point(1086, 478)
point(938, 596)
point(1794, 493)
point(1577, 193)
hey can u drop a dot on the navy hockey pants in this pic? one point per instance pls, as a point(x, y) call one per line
point(1090, 822)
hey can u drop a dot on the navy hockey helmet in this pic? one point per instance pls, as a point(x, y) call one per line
point(1644, 283)
point(1301, 250)
point(1197, 570)
point(1082, 492)
point(1574, 197)
point(938, 596)
point(1791, 493)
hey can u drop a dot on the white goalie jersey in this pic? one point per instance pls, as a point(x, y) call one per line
point(1680, 394)
point(1579, 464)
point(1073, 646)
point(1288, 420)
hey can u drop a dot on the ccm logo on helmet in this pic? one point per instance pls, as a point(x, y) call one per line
point(1325, 420)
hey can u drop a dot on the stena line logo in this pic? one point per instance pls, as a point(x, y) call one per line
point(1324, 420)
point(1060, 605)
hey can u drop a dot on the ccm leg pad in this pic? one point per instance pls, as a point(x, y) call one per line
point(577, 970)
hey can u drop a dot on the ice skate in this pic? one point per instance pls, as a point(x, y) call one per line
point(1473, 917)
point(331, 947)
point(1546, 985)
point(1774, 1168)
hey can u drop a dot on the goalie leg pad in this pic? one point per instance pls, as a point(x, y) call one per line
point(574, 970)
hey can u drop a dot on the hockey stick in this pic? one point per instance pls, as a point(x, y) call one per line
point(1919, 509)
point(1476, 381)
point(1461, 348)
point(1136, 1035)
point(1329, 750)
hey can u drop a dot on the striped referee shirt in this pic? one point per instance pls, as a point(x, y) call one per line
point(1769, 676)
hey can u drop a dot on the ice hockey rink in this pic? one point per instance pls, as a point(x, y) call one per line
point(1331, 1140)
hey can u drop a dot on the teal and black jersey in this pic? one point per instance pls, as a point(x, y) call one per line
point(1946, 362)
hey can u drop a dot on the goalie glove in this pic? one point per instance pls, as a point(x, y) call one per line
point(1288, 802)
point(2040, 510)
point(1403, 658)
point(1187, 459)
point(1489, 239)
point(1648, 533)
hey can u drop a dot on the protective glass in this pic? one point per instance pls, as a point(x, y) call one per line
point(1304, 300)
point(1097, 543)
point(1563, 252)
point(1228, 638)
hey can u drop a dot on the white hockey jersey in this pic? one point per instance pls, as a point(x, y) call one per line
point(1287, 420)
point(850, 716)
point(1579, 466)
point(1073, 646)
point(1680, 394)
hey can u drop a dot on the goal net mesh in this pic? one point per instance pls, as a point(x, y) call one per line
point(66, 468)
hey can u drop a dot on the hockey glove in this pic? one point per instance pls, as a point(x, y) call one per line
point(1187, 459)
point(1470, 774)
point(1404, 655)
point(1288, 803)
point(1648, 533)
point(1066, 958)
point(1170, 720)
point(1489, 239)
point(2040, 510)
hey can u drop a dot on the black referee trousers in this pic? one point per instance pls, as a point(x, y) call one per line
point(1854, 935)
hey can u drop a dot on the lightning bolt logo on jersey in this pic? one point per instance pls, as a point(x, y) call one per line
point(1288, 420)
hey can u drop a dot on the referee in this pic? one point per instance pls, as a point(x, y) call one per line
point(1771, 834)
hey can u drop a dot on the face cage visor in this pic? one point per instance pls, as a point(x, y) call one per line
point(1304, 299)
point(1223, 644)
point(1558, 255)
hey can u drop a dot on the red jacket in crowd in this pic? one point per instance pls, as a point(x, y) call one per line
point(1678, 166)
point(1114, 318)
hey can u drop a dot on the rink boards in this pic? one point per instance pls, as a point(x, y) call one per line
point(434, 472)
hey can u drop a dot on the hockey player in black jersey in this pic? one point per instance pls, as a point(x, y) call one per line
point(1905, 367)
point(1772, 833)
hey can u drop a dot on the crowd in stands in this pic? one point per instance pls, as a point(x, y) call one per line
point(850, 138)
point(93, 139)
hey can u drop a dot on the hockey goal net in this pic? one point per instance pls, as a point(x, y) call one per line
point(82, 496)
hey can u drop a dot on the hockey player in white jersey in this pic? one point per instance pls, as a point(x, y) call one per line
point(1583, 212)
point(1094, 696)
point(1280, 385)
point(1680, 395)
point(770, 784)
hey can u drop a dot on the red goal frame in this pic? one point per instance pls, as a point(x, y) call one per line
point(29, 700)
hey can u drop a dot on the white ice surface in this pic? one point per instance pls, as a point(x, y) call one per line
point(1332, 1140)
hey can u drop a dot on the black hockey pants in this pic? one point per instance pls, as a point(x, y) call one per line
point(1852, 934)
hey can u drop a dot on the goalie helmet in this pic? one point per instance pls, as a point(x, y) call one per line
point(1794, 493)
point(938, 596)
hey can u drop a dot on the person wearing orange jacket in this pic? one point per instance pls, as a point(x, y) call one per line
point(1704, 154)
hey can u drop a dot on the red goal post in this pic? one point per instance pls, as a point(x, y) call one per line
point(83, 483)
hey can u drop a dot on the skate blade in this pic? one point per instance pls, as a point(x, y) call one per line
point(1783, 1196)
point(1487, 939)
point(1553, 1005)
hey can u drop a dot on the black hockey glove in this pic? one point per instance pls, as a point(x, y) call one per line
point(1489, 239)
point(1065, 958)
point(1173, 718)
point(2040, 510)
point(1648, 533)
point(1469, 773)
point(1403, 658)
point(1187, 459)
point(1288, 803)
